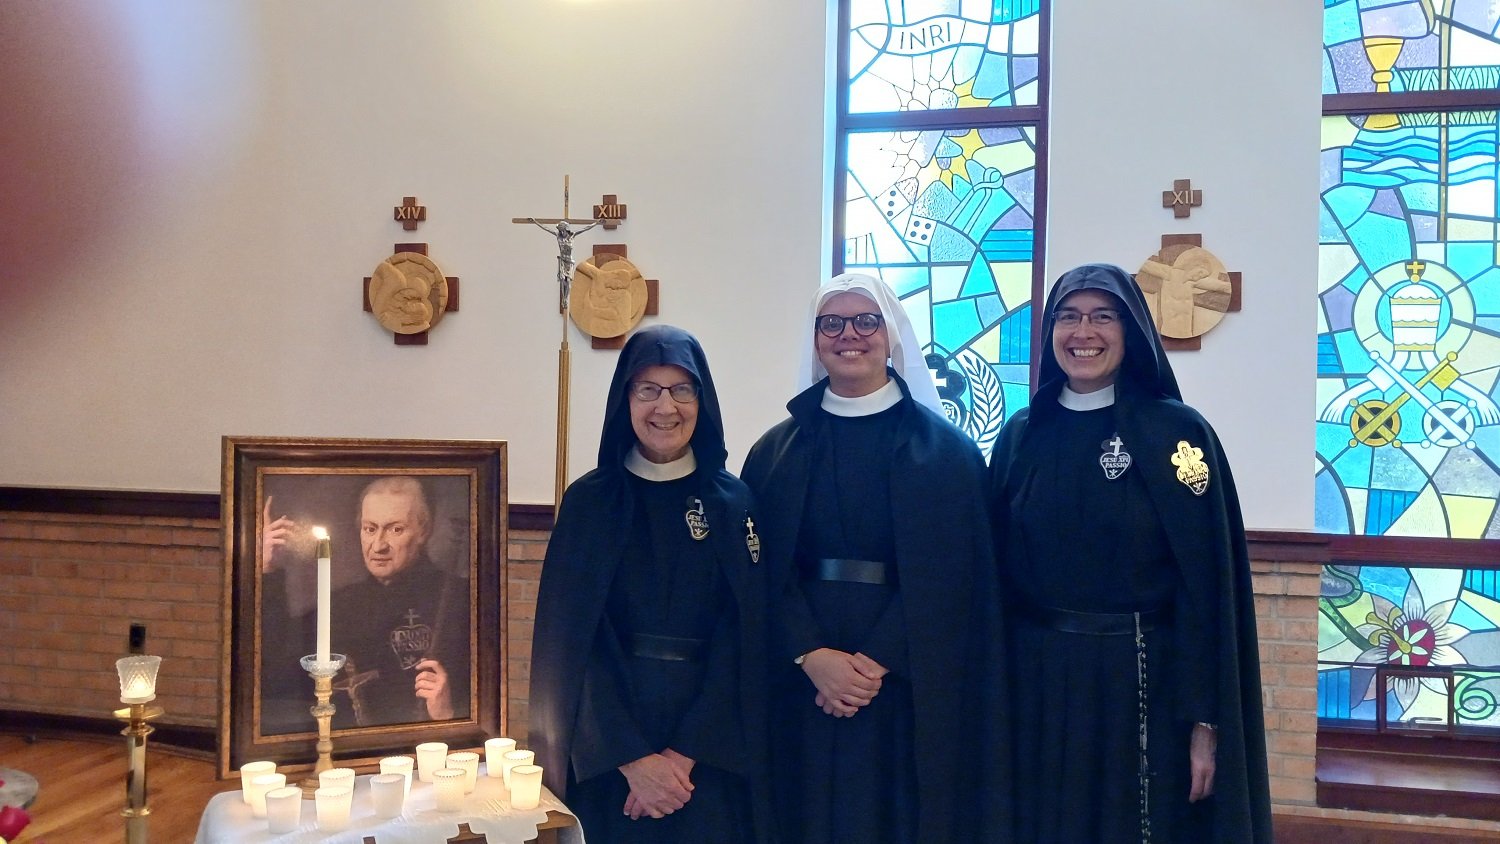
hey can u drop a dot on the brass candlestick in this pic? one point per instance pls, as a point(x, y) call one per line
point(135, 732)
point(322, 674)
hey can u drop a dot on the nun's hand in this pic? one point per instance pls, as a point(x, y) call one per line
point(657, 787)
point(1205, 743)
point(842, 686)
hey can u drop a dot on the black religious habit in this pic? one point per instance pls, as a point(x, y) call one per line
point(1163, 537)
point(925, 760)
point(626, 570)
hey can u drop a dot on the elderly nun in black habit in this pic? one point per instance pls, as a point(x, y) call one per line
point(1133, 655)
point(647, 701)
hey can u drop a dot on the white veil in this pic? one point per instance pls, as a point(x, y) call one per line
point(906, 352)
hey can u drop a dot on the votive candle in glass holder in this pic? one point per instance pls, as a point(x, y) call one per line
point(259, 785)
point(333, 807)
point(398, 765)
point(430, 757)
point(468, 763)
point(514, 758)
point(284, 809)
point(251, 770)
point(448, 784)
point(388, 794)
point(525, 786)
point(337, 778)
point(494, 752)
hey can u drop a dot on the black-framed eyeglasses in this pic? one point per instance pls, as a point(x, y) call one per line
point(649, 391)
point(832, 325)
point(1069, 318)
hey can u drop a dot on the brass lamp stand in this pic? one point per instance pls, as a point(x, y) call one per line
point(137, 688)
point(322, 674)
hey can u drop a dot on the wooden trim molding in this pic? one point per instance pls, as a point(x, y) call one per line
point(177, 505)
point(188, 739)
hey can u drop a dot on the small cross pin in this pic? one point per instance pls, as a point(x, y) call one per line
point(1182, 199)
point(409, 213)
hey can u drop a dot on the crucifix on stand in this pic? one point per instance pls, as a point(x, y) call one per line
point(564, 229)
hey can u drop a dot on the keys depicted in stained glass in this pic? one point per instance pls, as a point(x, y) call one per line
point(1408, 430)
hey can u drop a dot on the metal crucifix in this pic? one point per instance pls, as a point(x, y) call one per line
point(564, 229)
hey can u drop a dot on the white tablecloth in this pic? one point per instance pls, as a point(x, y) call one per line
point(227, 820)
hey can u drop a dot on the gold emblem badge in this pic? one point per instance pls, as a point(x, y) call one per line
point(1191, 469)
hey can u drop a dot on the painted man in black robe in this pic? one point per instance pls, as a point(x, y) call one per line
point(1132, 651)
point(648, 660)
point(885, 662)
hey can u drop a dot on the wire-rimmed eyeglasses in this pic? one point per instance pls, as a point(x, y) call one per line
point(832, 325)
point(1069, 318)
point(649, 391)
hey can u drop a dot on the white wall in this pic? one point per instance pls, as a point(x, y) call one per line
point(194, 191)
point(1226, 94)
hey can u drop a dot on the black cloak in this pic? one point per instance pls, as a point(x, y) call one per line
point(945, 567)
point(585, 550)
point(1203, 530)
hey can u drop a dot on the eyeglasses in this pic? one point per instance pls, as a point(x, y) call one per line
point(649, 391)
point(832, 325)
point(1069, 318)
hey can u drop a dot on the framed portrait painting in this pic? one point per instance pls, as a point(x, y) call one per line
point(415, 595)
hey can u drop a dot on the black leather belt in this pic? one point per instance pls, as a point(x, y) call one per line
point(669, 648)
point(849, 571)
point(1097, 623)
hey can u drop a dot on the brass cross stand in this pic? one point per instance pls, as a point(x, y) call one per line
point(563, 229)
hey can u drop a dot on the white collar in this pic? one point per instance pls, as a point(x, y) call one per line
point(867, 405)
point(1100, 398)
point(637, 464)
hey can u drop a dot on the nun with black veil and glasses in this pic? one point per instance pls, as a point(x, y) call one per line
point(887, 710)
point(1132, 650)
point(648, 658)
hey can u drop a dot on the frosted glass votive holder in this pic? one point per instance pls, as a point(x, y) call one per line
point(388, 794)
point(469, 764)
point(448, 784)
point(494, 752)
point(525, 786)
point(333, 807)
point(337, 778)
point(251, 770)
point(514, 758)
point(284, 809)
point(259, 785)
point(398, 765)
point(430, 757)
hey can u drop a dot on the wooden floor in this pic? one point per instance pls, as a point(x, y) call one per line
point(82, 789)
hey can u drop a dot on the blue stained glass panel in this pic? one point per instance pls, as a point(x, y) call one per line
point(954, 236)
point(1412, 380)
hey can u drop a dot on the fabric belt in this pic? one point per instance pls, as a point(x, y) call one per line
point(850, 571)
point(1097, 623)
point(668, 648)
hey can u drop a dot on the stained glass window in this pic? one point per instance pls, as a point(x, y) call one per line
point(1409, 328)
point(1380, 46)
point(1408, 360)
point(938, 143)
point(1421, 618)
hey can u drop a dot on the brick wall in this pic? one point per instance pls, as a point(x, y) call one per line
point(1286, 612)
point(72, 585)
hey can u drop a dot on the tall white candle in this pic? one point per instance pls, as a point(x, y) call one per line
point(325, 592)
